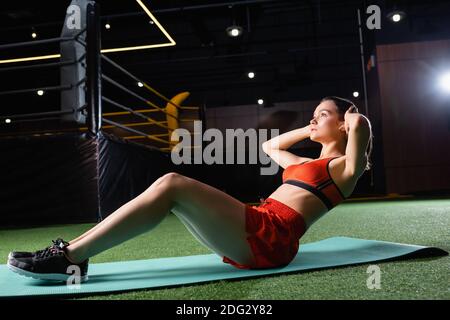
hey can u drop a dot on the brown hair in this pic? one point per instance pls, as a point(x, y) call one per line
point(343, 105)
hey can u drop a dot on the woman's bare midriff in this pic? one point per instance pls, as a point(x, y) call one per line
point(305, 202)
point(301, 200)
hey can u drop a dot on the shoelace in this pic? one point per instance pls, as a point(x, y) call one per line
point(55, 243)
point(54, 249)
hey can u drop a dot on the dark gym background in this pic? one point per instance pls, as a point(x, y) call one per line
point(298, 56)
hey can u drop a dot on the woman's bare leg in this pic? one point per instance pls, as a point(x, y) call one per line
point(216, 219)
point(106, 220)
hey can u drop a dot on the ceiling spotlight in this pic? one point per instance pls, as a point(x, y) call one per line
point(151, 22)
point(8, 120)
point(396, 15)
point(234, 31)
point(140, 84)
point(107, 26)
point(33, 33)
point(260, 101)
point(40, 92)
point(444, 82)
point(356, 94)
point(251, 75)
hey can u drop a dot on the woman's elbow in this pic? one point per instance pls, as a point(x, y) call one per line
point(265, 147)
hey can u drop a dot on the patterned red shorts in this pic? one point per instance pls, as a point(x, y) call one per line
point(274, 231)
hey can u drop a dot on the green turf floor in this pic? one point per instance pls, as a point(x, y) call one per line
point(422, 222)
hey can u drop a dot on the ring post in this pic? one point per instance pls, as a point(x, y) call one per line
point(94, 80)
point(73, 74)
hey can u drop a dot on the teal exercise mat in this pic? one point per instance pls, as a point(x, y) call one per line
point(166, 272)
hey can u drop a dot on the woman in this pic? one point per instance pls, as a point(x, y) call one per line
point(248, 237)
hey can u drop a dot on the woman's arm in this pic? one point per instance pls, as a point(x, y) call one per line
point(287, 139)
point(358, 130)
point(276, 147)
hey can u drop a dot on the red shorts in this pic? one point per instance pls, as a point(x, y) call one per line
point(274, 231)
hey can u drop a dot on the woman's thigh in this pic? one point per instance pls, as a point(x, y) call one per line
point(215, 218)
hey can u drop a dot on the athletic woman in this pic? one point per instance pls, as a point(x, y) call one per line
point(245, 236)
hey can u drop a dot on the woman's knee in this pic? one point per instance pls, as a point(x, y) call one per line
point(170, 181)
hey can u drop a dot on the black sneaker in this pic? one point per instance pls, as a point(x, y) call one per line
point(22, 254)
point(49, 264)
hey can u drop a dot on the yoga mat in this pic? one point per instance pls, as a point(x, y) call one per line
point(165, 272)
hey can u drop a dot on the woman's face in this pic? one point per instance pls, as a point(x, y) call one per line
point(325, 123)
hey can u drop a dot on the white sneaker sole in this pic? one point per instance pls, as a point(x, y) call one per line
point(44, 276)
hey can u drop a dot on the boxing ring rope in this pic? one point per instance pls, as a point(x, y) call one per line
point(138, 80)
point(38, 66)
point(44, 41)
point(139, 113)
point(118, 85)
point(42, 116)
point(126, 126)
point(172, 118)
point(91, 61)
point(34, 89)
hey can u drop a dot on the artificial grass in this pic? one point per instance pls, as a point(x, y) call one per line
point(422, 222)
